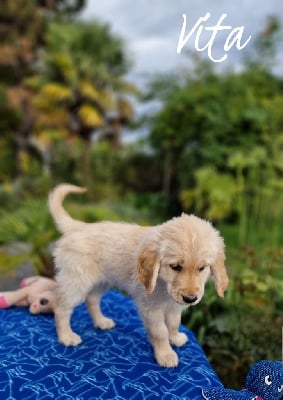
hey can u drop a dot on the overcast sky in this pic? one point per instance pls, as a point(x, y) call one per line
point(151, 28)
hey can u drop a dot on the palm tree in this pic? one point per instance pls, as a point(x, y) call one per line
point(80, 89)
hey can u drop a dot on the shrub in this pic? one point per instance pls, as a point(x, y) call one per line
point(246, 326)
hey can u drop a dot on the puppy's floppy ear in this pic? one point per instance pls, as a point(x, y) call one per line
point(148, 265)
point(219, 274)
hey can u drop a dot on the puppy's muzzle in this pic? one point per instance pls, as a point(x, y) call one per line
point(189, 299)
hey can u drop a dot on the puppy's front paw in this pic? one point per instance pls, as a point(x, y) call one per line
point(179, 339)
point(70, 339)
point(104, 323)
point(168, 359)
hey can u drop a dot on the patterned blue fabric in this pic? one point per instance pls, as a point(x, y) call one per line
point(115, 364)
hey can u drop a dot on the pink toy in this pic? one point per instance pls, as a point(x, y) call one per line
point(35, 292)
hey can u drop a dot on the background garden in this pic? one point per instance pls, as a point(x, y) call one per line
point(213, 148)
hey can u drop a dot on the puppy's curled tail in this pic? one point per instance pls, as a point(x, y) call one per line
point(63, 220)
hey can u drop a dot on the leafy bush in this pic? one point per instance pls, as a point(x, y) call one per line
point(246, 326)
point(219, 140)
point(29, 223)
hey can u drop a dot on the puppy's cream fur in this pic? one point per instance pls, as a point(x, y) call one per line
point(163, 267)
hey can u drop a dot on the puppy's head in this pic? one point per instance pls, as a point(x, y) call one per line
point(183, 252)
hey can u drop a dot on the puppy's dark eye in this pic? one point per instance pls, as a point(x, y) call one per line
point(202, 268)
point(43, 302)
point(177, 267)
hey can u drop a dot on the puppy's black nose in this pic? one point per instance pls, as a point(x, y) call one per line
point(190, 299)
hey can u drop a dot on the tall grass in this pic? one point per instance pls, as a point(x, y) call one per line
point(261, 211)
point(259, 192)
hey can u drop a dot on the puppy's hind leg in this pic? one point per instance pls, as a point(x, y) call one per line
point(74, 283)
point(93, 305)
point(70, 292)
point(64, 331)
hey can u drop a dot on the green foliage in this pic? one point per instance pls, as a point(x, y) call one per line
point(108, 211)
point(92, 47)
point(223, 129)
point(246, 325)
point(9, 262)
point(104, 162)
point(26, 223)
point(30, 224)
point(8, 168)
point(208, 194)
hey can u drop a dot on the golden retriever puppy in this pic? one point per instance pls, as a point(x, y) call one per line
point(163, 267)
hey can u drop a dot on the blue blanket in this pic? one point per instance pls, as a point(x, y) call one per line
point(115, 364)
